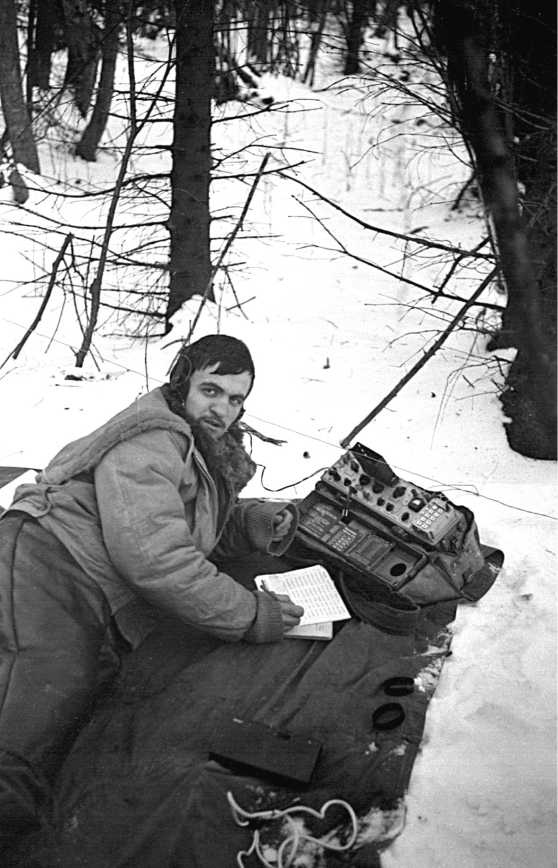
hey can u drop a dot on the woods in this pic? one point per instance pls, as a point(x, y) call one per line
point(496, 63)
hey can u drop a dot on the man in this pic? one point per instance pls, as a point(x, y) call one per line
point(116, 533)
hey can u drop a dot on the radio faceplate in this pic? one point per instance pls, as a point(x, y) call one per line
point(364, 478)
point(357, 543)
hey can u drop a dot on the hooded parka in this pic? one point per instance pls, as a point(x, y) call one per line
point(115, 533)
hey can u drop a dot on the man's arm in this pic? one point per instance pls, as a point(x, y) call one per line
point(149, 541)
point(258, 525)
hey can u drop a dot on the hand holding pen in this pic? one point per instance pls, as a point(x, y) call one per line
point(290, 612)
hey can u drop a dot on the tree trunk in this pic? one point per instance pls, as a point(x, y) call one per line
point(29, 74)
point(357, 23)
point(91, 136)
point(82, 39)
point(47, 22)
point(15, 113)
point(260, 33)
point(317, 22)
point(190, 263)
point(530, 397)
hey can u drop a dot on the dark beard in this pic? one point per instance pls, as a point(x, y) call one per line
point(228, 462)
point(226, 458)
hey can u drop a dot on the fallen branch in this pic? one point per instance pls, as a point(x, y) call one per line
point(421, 362)
point(55, 265)
point(436, 293)
point(423, 242)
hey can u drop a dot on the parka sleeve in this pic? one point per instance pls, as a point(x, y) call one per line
point(148, 539)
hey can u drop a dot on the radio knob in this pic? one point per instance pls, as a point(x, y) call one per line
point(405, 516)
point(347, 481)
point(377, 487)
point(399, 491)
point(364, 479)
point(380, 501)
point(334, 475)
point(389, 507)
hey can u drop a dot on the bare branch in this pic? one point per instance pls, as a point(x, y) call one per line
point(421, 362)
point(423, 242)
point(60, 256)
point(228, 244)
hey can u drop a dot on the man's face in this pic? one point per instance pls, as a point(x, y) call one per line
point(215, 400)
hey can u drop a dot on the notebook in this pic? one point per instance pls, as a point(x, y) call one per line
point(314, 590)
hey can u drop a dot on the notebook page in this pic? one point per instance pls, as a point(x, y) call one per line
point(310, 587)
point(311, 631)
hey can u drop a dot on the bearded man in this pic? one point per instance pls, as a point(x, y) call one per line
point(116, 534)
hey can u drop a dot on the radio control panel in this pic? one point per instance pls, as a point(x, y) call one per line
point(354, 542)
point(363, 477)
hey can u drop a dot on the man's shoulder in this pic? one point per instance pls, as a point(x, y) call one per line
point(151, 411)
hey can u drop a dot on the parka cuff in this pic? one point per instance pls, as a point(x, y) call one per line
point(259, 526)
point(267, 626)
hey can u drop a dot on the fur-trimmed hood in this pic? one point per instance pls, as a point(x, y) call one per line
point(225, 458)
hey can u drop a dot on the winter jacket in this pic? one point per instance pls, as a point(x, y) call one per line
point(135, 504)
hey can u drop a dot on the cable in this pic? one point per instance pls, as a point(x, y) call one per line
point(290, 484)
point(295, 836)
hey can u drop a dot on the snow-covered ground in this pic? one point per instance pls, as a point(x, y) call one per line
point(330, 337)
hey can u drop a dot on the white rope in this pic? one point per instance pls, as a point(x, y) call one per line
point(295, 836)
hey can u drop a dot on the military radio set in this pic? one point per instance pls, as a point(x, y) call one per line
point(374, 522)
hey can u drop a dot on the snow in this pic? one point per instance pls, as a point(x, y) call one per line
point(331, 336)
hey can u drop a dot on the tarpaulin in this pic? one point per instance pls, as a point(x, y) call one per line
point(141, 790)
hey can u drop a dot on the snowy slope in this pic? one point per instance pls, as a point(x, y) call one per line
point(330, 337)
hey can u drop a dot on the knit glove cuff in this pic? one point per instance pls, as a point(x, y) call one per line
point(267, 626)
point(259, 525)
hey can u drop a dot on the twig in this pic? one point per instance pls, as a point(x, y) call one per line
point(228, 245)
point(436, 293)
point(424, 242)
point(135, 129)
point(421, 362)
point(453, 269)
point(60, 256)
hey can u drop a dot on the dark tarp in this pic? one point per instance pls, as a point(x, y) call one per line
point(139, 790)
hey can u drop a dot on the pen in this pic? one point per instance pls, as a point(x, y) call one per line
point(268, 591)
